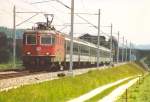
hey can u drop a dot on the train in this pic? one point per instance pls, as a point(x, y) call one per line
point(45, 47)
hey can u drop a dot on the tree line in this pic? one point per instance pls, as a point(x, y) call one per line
point(6, 44)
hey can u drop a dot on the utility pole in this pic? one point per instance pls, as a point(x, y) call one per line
point(118, 49)
point(71, 37)
point(14, 37)
point(130, 52)
point(111, 46)
point(135, 53)
point(98, 41)
point(123, 50)
point(126, 51)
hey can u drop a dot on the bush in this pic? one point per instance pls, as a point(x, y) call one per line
point(4, 49)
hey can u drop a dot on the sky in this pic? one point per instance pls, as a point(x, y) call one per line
point(129, 17)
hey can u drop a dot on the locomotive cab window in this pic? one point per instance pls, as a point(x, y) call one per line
point(30, 39)
point(47, 39)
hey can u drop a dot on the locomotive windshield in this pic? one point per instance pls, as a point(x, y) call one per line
point(47, 39)
point(30, 39)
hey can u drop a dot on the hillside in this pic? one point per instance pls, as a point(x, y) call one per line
point(143, 47)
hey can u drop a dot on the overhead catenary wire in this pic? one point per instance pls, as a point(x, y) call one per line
point(40, 2)
point(65, 26)
point(77, 14)
point(26, 20)
point(8, 13)
point(58, 18)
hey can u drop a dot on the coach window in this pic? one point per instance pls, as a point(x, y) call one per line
point(75, 48)
point(68, 47)
point(84, 50)
point(31, 39)
point(94, 53)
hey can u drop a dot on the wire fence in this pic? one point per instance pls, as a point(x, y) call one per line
point(129, 95)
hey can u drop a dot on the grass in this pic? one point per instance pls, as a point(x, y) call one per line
point(138, 92)
point(9, 65)
point(66, 88)
point(106, 92)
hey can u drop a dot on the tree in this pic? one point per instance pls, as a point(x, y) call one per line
point(4, 50)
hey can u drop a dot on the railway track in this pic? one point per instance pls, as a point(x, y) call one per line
point(13, 73)
point(17, 73)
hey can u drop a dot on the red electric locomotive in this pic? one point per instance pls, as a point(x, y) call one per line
point(43, 46)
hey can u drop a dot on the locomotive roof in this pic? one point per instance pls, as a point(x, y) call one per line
point(41, 31)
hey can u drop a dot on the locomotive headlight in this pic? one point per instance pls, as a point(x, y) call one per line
point(47, 53)
point(28, 53)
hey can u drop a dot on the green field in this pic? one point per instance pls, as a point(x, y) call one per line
point(66, 88)
point(139, 92)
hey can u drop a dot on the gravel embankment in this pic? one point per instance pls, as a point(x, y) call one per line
point(6, 84)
